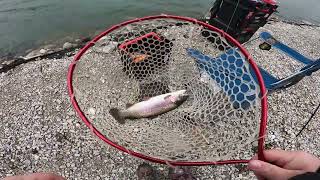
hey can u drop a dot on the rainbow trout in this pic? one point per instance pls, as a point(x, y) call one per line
point(150, 108)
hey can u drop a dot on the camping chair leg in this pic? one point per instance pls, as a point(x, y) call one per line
point(273, 42)
point(311, 65)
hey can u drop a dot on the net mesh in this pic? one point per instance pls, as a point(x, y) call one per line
point(218, 121)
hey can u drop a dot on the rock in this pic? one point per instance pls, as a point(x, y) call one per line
point(8, 62)
point(78, 41)
point(34, 151)
point(43, 51)
point(68, 45)
point(272, 137)
point(107, 49)
point(121, 170)
point(28, 51)
point(105, 38)
point(49, 46)
point(92, 111)
point(27, 162)
point(129, 27)
point(32, 54)
point(85, 39)
point(103, 41)
point(70, 113)
point(111, 46)
point(58, 101)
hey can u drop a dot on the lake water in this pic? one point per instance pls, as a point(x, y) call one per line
point(28, 23)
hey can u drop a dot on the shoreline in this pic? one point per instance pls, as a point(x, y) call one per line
point(68, 48)
point(49, 51)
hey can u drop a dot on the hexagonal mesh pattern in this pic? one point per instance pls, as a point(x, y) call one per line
point(218, 121)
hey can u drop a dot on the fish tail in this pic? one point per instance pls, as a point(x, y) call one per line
point(116, 114)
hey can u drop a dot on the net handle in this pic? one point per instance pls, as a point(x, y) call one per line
point(263, 121)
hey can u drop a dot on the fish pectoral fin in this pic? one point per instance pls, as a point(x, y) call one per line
point(129, 105)
point(167, 97)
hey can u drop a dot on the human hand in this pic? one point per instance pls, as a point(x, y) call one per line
point(283, 165)
point(36, 176)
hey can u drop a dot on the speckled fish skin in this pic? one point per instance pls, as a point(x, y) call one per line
point(152, 107)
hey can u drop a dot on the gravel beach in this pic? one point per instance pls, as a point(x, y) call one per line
point(41, 131)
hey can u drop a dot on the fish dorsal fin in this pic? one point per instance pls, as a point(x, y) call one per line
point(129, 105)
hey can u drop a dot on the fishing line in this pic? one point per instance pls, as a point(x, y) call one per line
point(309, 120)
point(234, 12)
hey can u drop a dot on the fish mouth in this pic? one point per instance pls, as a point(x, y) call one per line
point(185, 94)
point(182, 98)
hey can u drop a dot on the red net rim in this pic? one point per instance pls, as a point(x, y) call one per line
point(263, 121)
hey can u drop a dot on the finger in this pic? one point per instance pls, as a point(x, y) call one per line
point(255, 157)
point(46, 176)
point(264, 170)
point(36, 176)
point(279, 157)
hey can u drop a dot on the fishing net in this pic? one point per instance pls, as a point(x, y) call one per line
point(220, 121)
